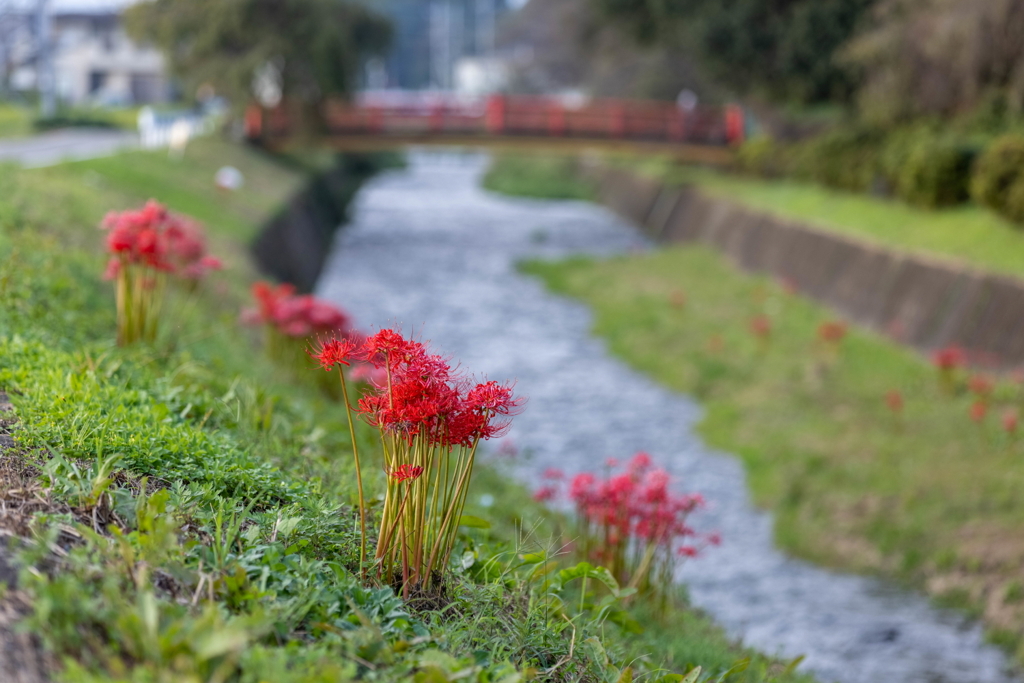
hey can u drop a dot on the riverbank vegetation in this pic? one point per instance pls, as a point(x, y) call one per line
point(185, 508)
point(542, 177)
point(966, 234)
point(870, 459)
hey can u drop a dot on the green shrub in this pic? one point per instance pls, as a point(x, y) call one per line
point(760, 156)
point(1014, 209)
point(846, 159)
point(935, 173)
point(998, 177)
point(536, 176)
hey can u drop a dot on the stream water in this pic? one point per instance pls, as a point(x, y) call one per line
point(429, 250)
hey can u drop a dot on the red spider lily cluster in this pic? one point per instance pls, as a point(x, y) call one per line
point(431, 419)
point(678, 299)
point(146, 246)
point(761, 327)
point(832, 332)
point(978, 411)
point(894, 401)
point(1009, 421)
point(630, 521)
point(948, 361)
point(294, 315)
point(949, 358)
point(158, 239)
point(291, 319)
point(981, 386)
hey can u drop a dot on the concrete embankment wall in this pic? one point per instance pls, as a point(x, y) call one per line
point(292, 246)
point(923, 303)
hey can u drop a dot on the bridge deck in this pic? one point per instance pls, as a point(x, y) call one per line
point(523, 123)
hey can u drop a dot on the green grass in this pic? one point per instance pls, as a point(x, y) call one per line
point(968, 234)
point(538, 177)
point(15, 121)
point(237, 559)
point(930, 497)
point(20, 120)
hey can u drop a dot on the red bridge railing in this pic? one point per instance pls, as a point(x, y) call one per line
point(512, 116)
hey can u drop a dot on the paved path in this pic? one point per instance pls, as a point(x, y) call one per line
point(429, 250)
point(66, 144)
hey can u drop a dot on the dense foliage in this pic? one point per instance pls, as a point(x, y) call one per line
point(307, 49)
point(784, 49)
point(939, 57)
point(998, 180)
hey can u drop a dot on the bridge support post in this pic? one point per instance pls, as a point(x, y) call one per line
point(253, 122)
point(494, 118)
point(734, 124)
point(556, 120)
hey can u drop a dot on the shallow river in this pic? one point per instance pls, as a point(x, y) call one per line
point(430, 251)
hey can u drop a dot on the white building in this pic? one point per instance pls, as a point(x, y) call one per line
point(94, 60)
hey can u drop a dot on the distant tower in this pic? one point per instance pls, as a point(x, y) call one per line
point(485, 20)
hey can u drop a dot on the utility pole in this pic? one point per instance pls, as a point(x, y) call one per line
point(44, 61)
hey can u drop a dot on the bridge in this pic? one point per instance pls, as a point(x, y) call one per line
point(523, 123)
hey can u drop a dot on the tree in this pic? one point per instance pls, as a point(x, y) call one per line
point(782, 49)
point(312, 48)
point(940, 57)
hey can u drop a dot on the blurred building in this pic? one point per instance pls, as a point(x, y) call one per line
point(434, 38)
point(93, 59)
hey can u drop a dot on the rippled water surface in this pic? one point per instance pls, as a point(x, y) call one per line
point(430, 251)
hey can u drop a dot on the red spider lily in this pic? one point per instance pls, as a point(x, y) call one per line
point(832, 332)
point(332, 352)
point(1009, 421)
point(545, 493)
point(554, 473)
point(144, 246)
point(424, 397)
point(761, 327)
point(716, 343)
point(406, 473)
point(949, 358)
point(154, 237)
point(678, 298)
point(431, 419)
point(894, 400)
point(978, 411)
point(980, 385)
point(948, 361)
point(631, 521)
point(295, 315)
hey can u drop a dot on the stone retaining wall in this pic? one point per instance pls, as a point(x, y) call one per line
point(923, 303)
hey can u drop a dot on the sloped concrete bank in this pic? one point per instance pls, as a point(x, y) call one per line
point(920, 302)
point(294, 244)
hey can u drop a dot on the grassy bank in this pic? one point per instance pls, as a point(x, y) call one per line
point(924, 494)
point(538, 176)
point(183, 510)
point(20, 120)
point(967, 234)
